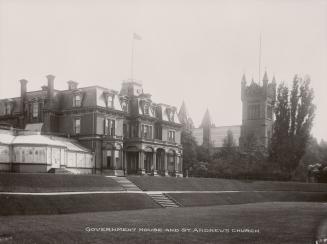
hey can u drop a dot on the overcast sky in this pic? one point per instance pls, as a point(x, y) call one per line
point(190, 50)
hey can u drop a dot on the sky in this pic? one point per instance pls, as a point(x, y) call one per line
point(191, 50)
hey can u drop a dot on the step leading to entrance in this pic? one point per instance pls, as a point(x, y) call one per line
point(163, 200)
point(126, 184)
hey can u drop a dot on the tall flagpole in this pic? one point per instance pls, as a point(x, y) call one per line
point(132, 58)
point(260, 59)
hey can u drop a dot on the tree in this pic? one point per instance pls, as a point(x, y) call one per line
point(294, 113)
point(189, 150)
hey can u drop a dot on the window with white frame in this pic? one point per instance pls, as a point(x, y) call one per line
point(124, 106)
point(35, 110)
point(109, 127)
point(146, 131)
point(110, 101)
point(171, 136)
point(77, 125)
point(146, 109)
point(77, 101)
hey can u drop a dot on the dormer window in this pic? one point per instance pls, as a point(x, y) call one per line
point(153, 110)
point(170, 115)
point(146, 109)
point(124, 106)
point(77, 101)
point(35, 110)
point(110, 101)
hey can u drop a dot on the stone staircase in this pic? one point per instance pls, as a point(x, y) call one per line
point(126, 184)
point(163, 200)
point(59, 171)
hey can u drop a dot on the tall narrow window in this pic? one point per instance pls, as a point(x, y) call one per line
point(124, 106)
point(171, 136)
point(110, 101)
point(146, 109)
point(8, 108)
point(109, 127)
point(146, 131)
point(35, 109)
point(254, 111)
point(77, 100)
point(77, 125)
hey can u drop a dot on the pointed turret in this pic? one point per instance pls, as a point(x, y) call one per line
point(265, 78)
point(206, 121)
point(273, 80)
point(183, 114)
point(243, 80)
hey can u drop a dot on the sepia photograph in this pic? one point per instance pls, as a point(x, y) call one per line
point(153, 121)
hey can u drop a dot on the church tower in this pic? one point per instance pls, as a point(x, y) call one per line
point(257, 111)
point(206, 126)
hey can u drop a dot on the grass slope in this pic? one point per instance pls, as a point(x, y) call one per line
point(55, 183)
point(279, 223)
point(211, 184)
point(62, 204)
point(209, 199)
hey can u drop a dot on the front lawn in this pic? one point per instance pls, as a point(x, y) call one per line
point(213, 184)
point(47, 182)
point(278, 223)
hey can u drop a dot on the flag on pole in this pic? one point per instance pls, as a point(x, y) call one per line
point(137, 37)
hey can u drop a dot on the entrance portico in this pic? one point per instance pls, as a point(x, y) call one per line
point(152, 161)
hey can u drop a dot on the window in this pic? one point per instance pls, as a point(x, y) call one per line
point(146, 131)
point(146, 109)
point(110, 101)
point(77, 100)
point(171, 136)
point(8, 108)
point(158, 132)
point(124, 106)
point(77, 125)
point(170, 114)
point(109, 127)
point(35, 110)
point(153, 110)
point(254, 111)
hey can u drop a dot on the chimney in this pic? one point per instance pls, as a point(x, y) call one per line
point(50, 88)
point(23, 91)
point(72, 85)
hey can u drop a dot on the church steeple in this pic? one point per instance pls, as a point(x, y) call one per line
point(183, 114)
point(184, 117)
point(265, 78)
point(206, 121)
point(243, 79)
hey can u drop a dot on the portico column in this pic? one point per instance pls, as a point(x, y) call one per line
point(125, 162)
point(154, 163)
point(176, 164)
point(113, 157)
point(166, 164)
point(141, 163)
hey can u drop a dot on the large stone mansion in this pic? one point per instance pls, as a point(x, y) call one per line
point(116, 133)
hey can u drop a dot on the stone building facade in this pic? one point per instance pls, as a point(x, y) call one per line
point(257, 118)
point(257, 111)
point(126, 131)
